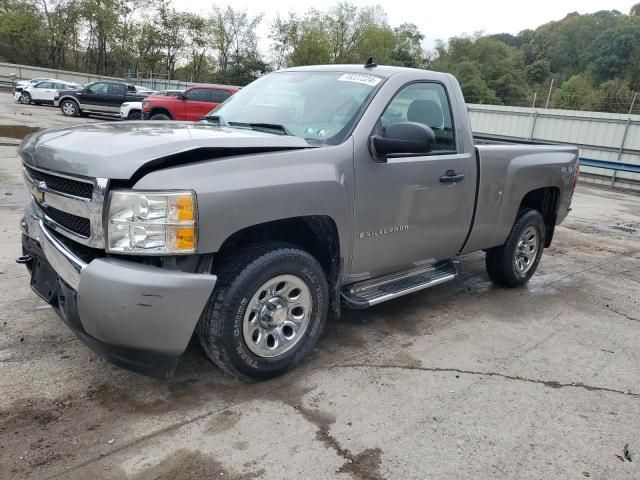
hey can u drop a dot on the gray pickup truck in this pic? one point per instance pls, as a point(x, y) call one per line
point(310, 190)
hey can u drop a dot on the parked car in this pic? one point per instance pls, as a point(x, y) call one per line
point(361, 185)
point(192, 104)
point(133, 110)
point(98, 97)
point(33, 81)
point(43, 92)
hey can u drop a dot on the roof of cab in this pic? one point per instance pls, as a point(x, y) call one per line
point(385, 71)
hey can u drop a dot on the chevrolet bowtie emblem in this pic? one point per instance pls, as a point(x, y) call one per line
point(37, 193)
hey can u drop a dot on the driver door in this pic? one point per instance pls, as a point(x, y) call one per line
point(197, 104)
point(405, 213)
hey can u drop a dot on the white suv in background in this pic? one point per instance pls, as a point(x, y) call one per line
point(43, 92)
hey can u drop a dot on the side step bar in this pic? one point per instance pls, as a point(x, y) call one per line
point(377, 290)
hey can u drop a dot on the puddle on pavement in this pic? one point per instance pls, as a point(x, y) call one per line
point(16, 131)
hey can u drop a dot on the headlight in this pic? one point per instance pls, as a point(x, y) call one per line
point(124, 105)
point(152, 223)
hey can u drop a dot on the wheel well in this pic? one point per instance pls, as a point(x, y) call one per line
point(316, 234)
point(69, 98)
point(545, 201)
point(162, 110)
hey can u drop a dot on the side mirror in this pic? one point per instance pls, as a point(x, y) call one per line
point(404, 137)
point(183, 96)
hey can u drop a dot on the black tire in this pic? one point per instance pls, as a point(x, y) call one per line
point(221, 326)
point(160, 116)
point(501, 261)
point(134, 115)
point(69, 108)
point(25, 98)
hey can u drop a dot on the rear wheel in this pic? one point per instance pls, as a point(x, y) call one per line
point(160, 116)
point(266, 313)
point(134, 115)
point(69, 108)
point(515, 262)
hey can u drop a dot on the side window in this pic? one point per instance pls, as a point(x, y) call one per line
point(425, 103)
point(219, 96)
point(198, 95)
point(117, 89)
point(99, 88)
point(44, 85)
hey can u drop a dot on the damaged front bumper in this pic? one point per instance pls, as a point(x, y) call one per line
point(137, 316)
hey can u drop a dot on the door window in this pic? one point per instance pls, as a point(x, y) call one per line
point(99, 88)
point(219, 96)
point(198, 95)
point(44, 85)
point(425, 103)
point(117, 89)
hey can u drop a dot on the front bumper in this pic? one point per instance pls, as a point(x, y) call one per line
point(137, 316)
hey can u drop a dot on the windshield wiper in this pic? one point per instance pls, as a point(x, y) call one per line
point(260, 126)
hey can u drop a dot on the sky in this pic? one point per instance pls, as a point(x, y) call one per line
point(439, 19)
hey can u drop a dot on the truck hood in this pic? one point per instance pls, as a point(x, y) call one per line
point(120, 149)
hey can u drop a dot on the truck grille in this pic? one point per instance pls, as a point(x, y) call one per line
point(62, 184)
point(78, 225)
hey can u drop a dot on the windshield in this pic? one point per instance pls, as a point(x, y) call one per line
point(317, 106)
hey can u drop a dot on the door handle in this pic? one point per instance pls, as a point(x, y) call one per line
point(451, 177)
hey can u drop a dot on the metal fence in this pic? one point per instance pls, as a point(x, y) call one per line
point(609, 137)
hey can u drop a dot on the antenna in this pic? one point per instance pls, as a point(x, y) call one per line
point(370, 63)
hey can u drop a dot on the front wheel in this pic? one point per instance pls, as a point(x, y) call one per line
point(515, 262)
point(134, 115)
point(25, 98)
point(69, 108)
point(266, 313)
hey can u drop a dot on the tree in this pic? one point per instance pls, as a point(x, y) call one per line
point(538, 72)
point(614, 96)
point(614, 51)
point(577, 93)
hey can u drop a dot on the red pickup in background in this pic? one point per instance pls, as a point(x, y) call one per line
point(193, 104)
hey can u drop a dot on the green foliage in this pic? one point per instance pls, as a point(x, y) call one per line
point(576, 93)
point(593, 59)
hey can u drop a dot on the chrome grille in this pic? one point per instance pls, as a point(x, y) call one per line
point(74, 223)
point(72, 206)
point(62, 184)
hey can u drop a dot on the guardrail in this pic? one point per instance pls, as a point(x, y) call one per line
point(609, 165)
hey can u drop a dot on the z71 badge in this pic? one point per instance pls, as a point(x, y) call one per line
point(384, 231)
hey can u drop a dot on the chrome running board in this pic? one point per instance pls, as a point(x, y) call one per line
point(380, 289)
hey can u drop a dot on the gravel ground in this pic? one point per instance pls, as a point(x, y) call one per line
point(465, 380)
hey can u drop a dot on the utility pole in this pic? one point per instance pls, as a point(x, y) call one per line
point(549, 96)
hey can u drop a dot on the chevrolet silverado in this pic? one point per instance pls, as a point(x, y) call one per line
point(310, 190)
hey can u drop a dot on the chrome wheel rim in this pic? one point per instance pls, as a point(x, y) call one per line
point(526, 250)
point(277, 316)
point(68, 108)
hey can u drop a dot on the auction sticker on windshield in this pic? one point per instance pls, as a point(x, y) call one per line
point(360, 78)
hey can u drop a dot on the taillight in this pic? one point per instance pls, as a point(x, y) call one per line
point(575, 177)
